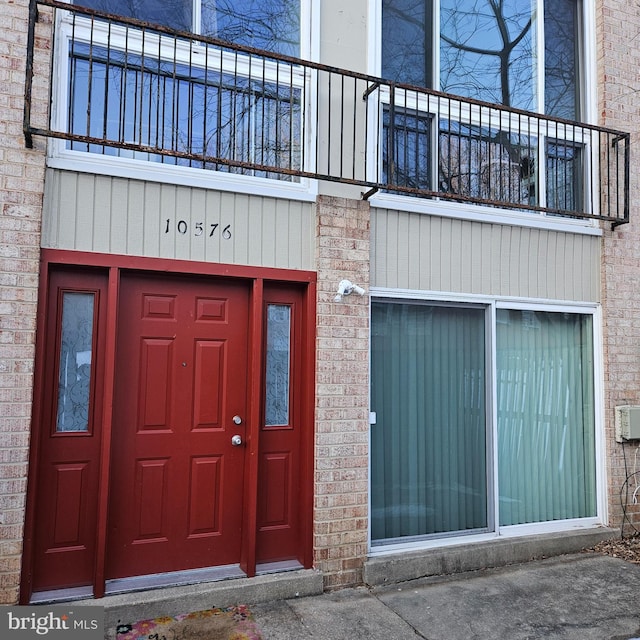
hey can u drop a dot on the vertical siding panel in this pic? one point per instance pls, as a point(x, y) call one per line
point(183, 212)
point(198, 209)
point(411, 256)
point(533, 271)
point(402, 250)
point(219, 208)
point(296, 233)
point(303, 235)
point(392, 240)
point(255, 236)
point(455, 258)
point(436, 274)
point(52, 210)
point(424, 236)
point(241, 229)
point(142, 212)
point(130, 211)
point(129, 217)
point(504, 249)
point(269, 224)
point(471, 248)
point(224, 247)
point(154, 229)
point(486, 257)
point(433, 253)
point(84, 211)
point(281, 232)
point(377, 259)
point(101, 233)
point(553, 271)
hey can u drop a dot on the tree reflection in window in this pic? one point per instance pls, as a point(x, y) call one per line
point(183, 109)
point(273, 25)
point(488, 50)
point(74, 374)
point(486, 163)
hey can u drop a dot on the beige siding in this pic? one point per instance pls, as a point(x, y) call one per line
point(430, 253)
point(86, 212)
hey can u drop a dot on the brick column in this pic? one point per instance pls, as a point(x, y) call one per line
point(342, 392)
point(618, 24)
point(21, 189)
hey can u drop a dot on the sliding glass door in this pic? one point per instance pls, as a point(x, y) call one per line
point(428, 446)
point(546, 440)
point(434, 379)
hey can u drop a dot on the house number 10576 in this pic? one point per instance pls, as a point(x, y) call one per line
point(199, 229)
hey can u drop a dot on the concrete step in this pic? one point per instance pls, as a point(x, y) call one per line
point(498, 552)
point(170, 601)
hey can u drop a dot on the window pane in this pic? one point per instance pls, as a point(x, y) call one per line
point(176, 14)
point(408, 133)
point(485, 163)
point(407, 36)
point(486, 51)
point(565, 185)
point(546, 457)
point(185, 109)
point(273, 25)
point(74, 377)
point(428, 446)
point(278, 364)
point(561, 58)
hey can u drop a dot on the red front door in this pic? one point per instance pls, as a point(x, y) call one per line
point(180, 398)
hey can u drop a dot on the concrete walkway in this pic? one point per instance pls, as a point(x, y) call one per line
point(582, 596)
point(575, 597)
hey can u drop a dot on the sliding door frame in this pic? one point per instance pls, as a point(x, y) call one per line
point(491, 305)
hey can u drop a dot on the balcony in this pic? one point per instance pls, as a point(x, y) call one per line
point(128, 89)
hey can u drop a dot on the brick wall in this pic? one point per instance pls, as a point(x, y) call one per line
point(618, 57)
point(342, 392)
point(21, 189)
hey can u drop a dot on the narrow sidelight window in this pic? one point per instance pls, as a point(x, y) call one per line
point(74, 371)
point(278, 370)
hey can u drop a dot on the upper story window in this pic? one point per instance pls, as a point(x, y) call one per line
point(511, 72)
point(273, 25)
point(169, 98)
point(521, 54)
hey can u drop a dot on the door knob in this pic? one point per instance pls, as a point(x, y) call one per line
point(236, 440)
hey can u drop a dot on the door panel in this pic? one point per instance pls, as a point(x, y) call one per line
point(70, 431)
point(428, 448)
point(176, 477)
point(279, 493)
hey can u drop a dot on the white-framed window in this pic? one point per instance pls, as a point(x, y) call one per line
point(532, 56)
point(526, 55)
point(487, 418)
point(172, 104)
point(272, 25)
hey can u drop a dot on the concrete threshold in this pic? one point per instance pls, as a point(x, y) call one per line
point(169, 601)
point(410, 565)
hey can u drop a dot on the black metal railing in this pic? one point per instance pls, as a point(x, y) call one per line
point(131, 89)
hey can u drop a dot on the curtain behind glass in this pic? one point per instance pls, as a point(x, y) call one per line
point(546, 458)
point(428, 448)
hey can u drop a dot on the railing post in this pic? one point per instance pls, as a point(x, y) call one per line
point(28, 82)
point(391, 133)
